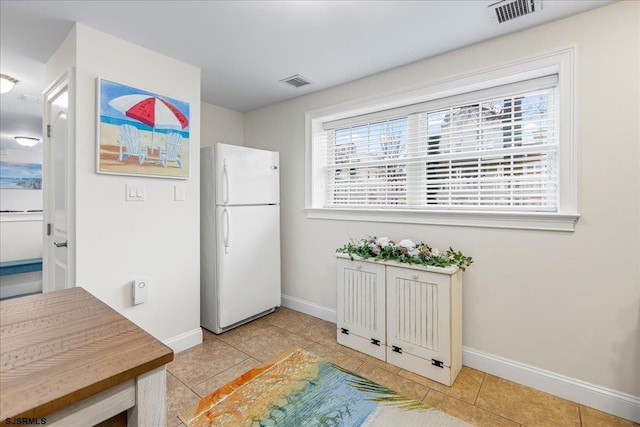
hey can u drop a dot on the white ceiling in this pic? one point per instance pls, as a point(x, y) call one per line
point(245, 47)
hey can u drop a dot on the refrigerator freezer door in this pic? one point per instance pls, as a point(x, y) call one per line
point(246, 176)
point(248, 261)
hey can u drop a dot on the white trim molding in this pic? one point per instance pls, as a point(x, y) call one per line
point(604, 399)
point(518, 220)
point(184, 341)
point(312, 309)
point(561, 62)
point(20, 216)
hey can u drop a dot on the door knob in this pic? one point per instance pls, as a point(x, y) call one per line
point(60, 245)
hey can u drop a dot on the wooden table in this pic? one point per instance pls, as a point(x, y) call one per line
point(68, 357)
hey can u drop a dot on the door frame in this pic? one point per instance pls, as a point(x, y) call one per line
point(64, 81)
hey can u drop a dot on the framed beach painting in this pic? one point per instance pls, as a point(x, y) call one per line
point(141, 133)
point(20, 176)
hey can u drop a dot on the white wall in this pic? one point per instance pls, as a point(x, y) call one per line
point(21, 238)
point(21, 235)
point(221, 125)
point(565, 302)
point(117, 241)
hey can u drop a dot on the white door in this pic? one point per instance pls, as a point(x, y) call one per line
point(248, 261)
point(57, 251)
point(418, 320)
point(246, 176)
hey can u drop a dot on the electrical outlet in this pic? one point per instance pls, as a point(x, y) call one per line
point(140, 290)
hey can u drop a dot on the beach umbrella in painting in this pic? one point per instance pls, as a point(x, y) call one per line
point(152, 111)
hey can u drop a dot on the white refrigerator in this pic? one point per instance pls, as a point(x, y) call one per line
point(240, 235)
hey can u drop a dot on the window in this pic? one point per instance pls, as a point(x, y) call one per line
point(490, 152)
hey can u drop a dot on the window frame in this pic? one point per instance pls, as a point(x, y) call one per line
point(561, 62)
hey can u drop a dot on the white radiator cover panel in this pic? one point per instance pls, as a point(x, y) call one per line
point(405, 314)
point(359, 299)
point(361, 306)
point(418, 313)
point(416, 309)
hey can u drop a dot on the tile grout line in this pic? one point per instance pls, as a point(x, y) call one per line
point(224, 370)
point(188, 388)
point(484, 376)
point(479, 408)
point(181, 382)
point(580, 414)
point(425, 394)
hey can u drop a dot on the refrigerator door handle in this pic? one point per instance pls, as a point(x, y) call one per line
point(225, 176)
point(225, 213)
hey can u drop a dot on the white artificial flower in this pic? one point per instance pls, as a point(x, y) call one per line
point(406, 243)
point(414, 252)
point(435, 252)
point(383, 242)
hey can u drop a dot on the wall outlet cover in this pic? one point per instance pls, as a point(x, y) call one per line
point(140, 290)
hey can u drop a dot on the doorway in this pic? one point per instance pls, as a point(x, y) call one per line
point(58, 250)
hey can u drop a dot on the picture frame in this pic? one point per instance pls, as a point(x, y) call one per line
point(20, 176)
point(141, 133)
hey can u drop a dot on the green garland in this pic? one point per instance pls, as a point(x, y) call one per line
point(406, 251)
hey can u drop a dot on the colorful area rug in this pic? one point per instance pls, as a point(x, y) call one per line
point(299, 389)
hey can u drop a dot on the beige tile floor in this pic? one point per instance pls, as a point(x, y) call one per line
point(476, 397)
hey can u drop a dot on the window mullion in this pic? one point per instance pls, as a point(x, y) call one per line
point(416, 140)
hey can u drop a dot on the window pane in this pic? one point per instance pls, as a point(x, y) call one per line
point(493, 154)
point(355, 180)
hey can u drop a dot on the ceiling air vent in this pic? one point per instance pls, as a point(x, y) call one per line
point(296, 80)
point(507, 10)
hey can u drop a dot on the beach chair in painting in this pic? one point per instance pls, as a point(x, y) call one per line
point(130, 140)
point(171, 152)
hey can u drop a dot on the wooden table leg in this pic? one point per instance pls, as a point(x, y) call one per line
point(150, 409)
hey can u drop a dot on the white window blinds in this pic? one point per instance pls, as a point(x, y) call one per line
point(494, 150)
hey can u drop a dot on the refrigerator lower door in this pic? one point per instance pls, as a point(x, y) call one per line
point(248, 261)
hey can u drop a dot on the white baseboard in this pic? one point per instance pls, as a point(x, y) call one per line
point(611, 401)
point(184, 341)
point(15, 289)
point(606, 400)
point(312, 309)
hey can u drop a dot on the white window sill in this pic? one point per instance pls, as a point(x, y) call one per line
point(516, 220)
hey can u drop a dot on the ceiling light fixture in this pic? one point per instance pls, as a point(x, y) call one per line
point(27, 141)
point(6, 83)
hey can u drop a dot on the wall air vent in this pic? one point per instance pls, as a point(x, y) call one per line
point(507, 10)
point(296, 81)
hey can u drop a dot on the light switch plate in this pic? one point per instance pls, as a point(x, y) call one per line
point(135, 192)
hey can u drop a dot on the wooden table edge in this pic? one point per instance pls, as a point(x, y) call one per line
point(78, 395)
point(165, 356)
